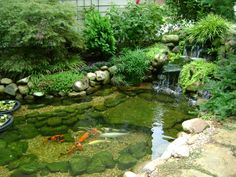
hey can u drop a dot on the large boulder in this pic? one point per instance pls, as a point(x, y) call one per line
point(195, 125)
point(170, 38)
point(6, 81)
point(81, 85)
point(91, 76)
point(11, 89)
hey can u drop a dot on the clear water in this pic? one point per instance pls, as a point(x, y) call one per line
point(132, 126)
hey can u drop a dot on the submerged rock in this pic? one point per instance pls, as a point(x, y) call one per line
point(62, 166)
point(26, 159)
point(78, 165)
point(96, 166)
point(54, 121)
point(126, 161)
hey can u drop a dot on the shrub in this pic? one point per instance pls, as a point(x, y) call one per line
point(135, 25)
point(207, 30)
point(196, 72)
point(54, 83)
point(131, 67)
point(98, 33)
point(36, 34)
point(223, 90)
point(193, 10)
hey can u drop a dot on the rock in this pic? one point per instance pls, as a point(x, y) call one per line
point(176, 49)
point(54, 121)
point(49, 131)
point(23, 89)
point(182, 134)
point(30, 84)
point(92, 89)
point(77, 94)
point(195, 125)
point(23, 81)
point(2, 88)
point(160, 59)
point(27, 130)
point(62, 93)
point(166, 155)
point(126, 161)
point(18, 147)
point(6, 156)
point(6, 81)
point(112, 70)
point(193, 173)
point(91, 76)
point(100, 75)
point(38, 94)
point(62, 166)
point(107, 78)
point(30, 168)
point(151, 166)
point(19, 96)
point(217, 160)
point(181, 151)
point(78, 165)
point(170, 38)
point(81, 85)
point(29, 97)
point(226, 137)
point(93, 83)
point(129, 174)
point(26, 159)
point(106, 158)
point(142, 175)
point(11, 89)
point(96, 167)
point(138, 150)
point(103, 68)
point(193, 139)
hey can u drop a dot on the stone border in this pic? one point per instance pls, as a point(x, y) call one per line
point(200, 132)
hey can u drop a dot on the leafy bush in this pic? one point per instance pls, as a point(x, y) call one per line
point(36, 34)
point(223, 89)
point(131, 67)
point(54, 83)
point(135, 25)
point(155, 49)
point(196, 72)
point(98, 33)
point(193, 10)
point(207, 30)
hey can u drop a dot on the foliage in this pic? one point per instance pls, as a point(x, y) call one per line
point(223, 89)
point(196, 72)
point(54, 83)
point(98, 33)
point(131, 67)
point(196, 9)
point(155, 49)
point(208, 29)
point(95, 66)
point(135, 25)
point(36, 34)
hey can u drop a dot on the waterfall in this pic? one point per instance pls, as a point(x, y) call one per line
point(193, 52)
point(168, 80)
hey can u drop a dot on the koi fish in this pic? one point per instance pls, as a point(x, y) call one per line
point(98, 141)
point(113, 134)
point(58, 138)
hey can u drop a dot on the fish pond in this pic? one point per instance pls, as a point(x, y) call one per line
point(103, 134)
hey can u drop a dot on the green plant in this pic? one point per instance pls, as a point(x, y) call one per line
point(135, 25)
point(131, 67)
point(208, 29)
point(98, 33)
point(223, 90)
point(196, 72)
point(196, 9)
point(37, 34)
point(54, 83)
point(155, 49)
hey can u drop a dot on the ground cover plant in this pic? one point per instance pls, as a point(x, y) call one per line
point(37, 34)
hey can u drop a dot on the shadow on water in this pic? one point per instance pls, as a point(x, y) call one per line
point(123, 128)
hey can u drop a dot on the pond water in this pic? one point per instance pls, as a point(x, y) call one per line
point(101, 135)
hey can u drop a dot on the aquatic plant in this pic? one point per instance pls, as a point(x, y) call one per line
point(195, 73)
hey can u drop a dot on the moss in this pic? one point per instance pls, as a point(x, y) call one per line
point(3, 144)
point(138, 150)
point(30, 168)
point(10, 136)
point(18, 147)
point(26, 159)
point(78, 164)
point(40, 124)
point(126, 161)
point(49, 131)
point(58, 166)
point(54, 121)
point(106, 158)
point(27, 131)
point(134, 111)
point(6, 156)
point(114, 101)
point(70, 120)
point(96, 167)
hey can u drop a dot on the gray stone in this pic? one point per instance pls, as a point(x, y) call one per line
point(107, 78)
point(160, 59)
point(23, 89)
point(193, 173)
point(91, 76)
point(129, 174)
point(23, 81)
point(195, 125)
point(112, 69)
point(61, 93)
point(11, 89)
point(93, 83)
point(2, 88)
point(142, 175)
point(226, 137)
point(81, 85)
point(29, 97)
point(19, 96)
point(6, 81)
point(30, 84)
point(103, 68)
point(77, 94)
point(181, 151)
point(100, 75)
point(193, 139)
point(38, 94)
point(170, 38)
point(151, 166)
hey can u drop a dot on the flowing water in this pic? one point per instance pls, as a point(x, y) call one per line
point(102, 135)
